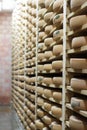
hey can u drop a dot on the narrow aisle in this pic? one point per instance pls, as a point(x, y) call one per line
point(7, 119)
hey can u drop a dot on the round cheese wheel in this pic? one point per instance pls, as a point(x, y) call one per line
point(47, 3)
point(41, 56)
point(40, 90)
point(79, 104)
point(48, 81)
point(78, 63)
point(77, 123)
point(48, 54)
point(32, 125)
point(41, 3)
point(76, 4)
point(58, 19)
point(55, 126)
point(39, 124)
point(57, 49)
point(57, 81)
point(56, 65)
point(41, 12)
point(79, 41)
point(48, 16)
point(41, 24)
point(57, 112)
point(48, 41)
point(79, 84)
point(47, 106)
point(57, 96)
point(57, 34)
point(40, 113)
point(41, 35)
point(47, 93)
point(78, 21)
point(47, 120)
point(49, 29)
point(58, 5)
point(47, 67)
point(40, 67)
point(40, 102)
point(40, 79)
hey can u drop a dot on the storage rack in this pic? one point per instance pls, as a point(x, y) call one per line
point(41, 72)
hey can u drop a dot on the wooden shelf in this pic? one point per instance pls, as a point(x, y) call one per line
point(81, 10)
point(78, 50)
point(82, 113)
point(83, 92)
point(70, 70)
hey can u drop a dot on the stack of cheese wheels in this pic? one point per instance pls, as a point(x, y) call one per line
point(47, 120)
point(57, 65)
point(57, 49)
point(79, 84)
point(39, 124)
point(78, 21)
point(78, 63)
point(79, 104)
point(77, 123)
point(56, 111)
point(58, 5)
point(48, 41)
point(57, 34)
point(58, 19)
point(48, 81)
point(55, 126)
point(57, 81)
point(79, 41)
point(76, 4)
point(48, 54)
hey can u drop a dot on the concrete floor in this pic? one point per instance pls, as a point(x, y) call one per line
point(8, 119)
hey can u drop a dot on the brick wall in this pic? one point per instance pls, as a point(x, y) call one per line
point(5, 57)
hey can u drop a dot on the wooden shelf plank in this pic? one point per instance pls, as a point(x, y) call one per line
point(82, 113)
point(83, 92)
point(83, 71)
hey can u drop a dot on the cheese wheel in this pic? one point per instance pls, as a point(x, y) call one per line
point(40, 90)
point(79, 84)
point(79, 104)
point(56, 65)
point(48, 54)
point(39, 124)
point(41, 12)
point(40, 79)
point(41, 56)
point(47, 120)
point(57, 80)
point(41, 3)
point(48, 16)
point(47, 106)
point(48, 41)
point(41, 46)
point(78, 21)
point(77, 123)
point(40, 113)
point(55, 126)
point(57, 34)
point(79, 41)
point(40, 67)
point(57, 96)
point(75, 4)
point(49, 29)
point(47, 67)
point(41, 35)
point(47, 3)
point(41, 24)
point(58, 5)
point(48, 81)
point(40, 102)
point(32, 125)
point(57, 112)
point(57, 49)
point(47, 93)
point(78, 63)
point(58, 19)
